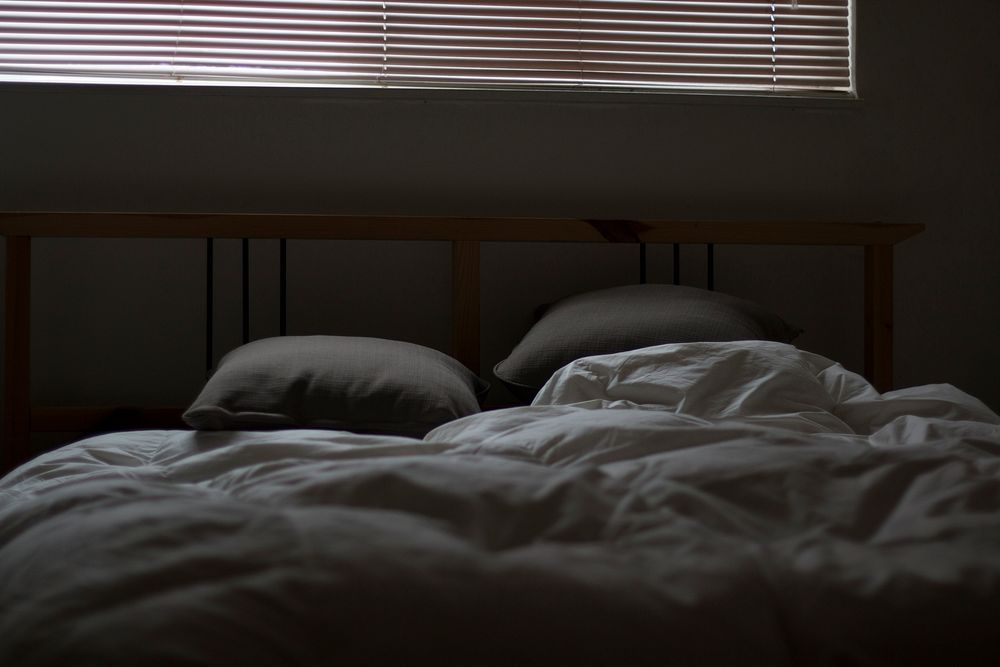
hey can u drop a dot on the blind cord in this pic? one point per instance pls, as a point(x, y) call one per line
point(385, 44)
point(774, 47)
point(177, 42)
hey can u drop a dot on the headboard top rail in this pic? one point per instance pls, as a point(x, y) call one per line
point(356, 227)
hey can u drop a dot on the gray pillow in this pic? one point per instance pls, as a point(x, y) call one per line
point(365, 385)
point(627, 318)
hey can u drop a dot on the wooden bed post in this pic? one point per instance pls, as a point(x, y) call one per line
point(465, 303)
point(17, 354)
point(878, 315)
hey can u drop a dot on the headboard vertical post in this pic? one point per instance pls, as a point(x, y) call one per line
point(878, 315)
point(245, 289)
point(283, 287)
point(17, 354)
point(209, 305)
point(677, 263)
point(465, 303)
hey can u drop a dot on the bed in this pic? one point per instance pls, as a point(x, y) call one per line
point(701, 501)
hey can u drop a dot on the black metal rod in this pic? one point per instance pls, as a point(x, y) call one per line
point(710, 265)
point(246, 291)
point(642, 263)
point(209, 303)
point(283, 287)
point(677, 264)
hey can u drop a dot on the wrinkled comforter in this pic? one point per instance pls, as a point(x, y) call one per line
point(724, 503)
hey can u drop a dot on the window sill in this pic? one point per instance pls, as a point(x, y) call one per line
point(322, 94)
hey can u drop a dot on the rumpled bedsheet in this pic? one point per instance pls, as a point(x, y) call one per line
point(736, 503)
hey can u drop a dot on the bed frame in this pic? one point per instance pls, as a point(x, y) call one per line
point(20, 418)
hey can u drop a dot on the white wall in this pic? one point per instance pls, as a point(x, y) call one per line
point(922, 146)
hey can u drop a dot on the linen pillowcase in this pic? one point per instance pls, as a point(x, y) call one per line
point(365, 385)
point(628, 318)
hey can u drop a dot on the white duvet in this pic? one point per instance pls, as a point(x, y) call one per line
point(724, 503)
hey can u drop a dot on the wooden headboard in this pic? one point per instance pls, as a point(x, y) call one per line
point(20, 418)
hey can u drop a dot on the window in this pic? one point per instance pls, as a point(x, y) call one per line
point(732, 45)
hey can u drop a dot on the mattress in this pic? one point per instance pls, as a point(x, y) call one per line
point(702, 503)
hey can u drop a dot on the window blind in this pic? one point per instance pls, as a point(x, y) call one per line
point(591, 44)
